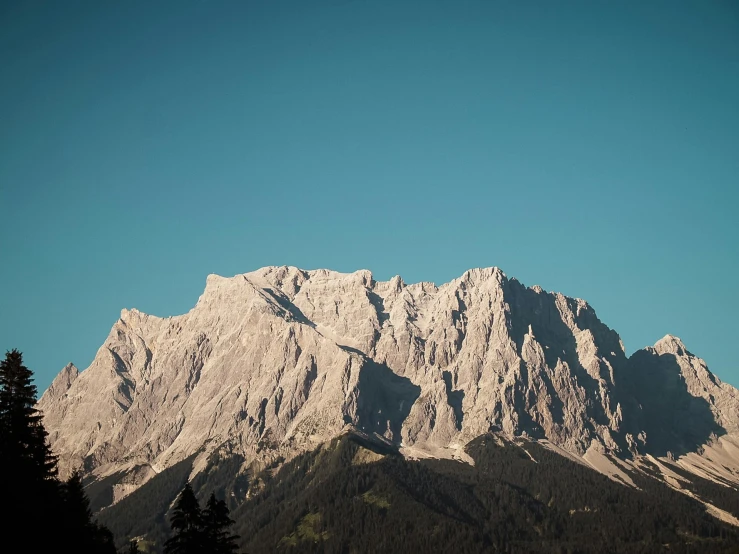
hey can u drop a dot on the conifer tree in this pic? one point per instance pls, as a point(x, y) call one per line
point(27, 465)
point(31, 487)
point(216, 521)
point(76, 504)
point(80, 532)
point(187, 524)
point(25, 451)
point(133, 547)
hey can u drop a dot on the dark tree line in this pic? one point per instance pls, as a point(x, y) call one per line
point(200, 531)
point(45, 514)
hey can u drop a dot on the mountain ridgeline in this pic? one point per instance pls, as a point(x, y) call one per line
point(271, 365)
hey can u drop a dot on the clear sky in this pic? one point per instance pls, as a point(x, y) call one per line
point(589, 147)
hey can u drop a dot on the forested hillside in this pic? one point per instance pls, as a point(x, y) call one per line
point(517, 498)
point(357, 495)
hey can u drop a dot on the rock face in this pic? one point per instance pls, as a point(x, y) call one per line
point(270, 363)
point(61, 383)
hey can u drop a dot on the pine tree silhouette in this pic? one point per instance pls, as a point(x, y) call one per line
point(45, 516)
point(76, 505)
point(216, 520)
point(82, 533)
point(199, 531)
point(28, 467)
point(133, 547)
point(24, 440)
point(187, 524)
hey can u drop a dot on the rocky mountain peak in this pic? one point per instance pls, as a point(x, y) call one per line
point(269, 363)
point(61, 383)
point(670, 344)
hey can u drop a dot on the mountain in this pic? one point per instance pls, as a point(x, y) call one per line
point(271, 364)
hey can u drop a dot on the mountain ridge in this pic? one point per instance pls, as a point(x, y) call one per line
point(268, 364)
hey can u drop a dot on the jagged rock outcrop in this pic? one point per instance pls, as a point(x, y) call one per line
point(269, 363)
point(61, 383)
point(682, 405)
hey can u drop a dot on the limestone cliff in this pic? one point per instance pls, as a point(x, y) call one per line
point(269, 363)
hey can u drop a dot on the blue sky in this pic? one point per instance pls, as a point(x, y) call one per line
point(589, 147)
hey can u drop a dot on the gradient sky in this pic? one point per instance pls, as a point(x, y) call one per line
point(589, 147)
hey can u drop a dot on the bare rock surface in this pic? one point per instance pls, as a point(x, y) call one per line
point(271, 363)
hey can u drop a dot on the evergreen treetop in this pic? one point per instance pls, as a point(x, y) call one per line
point(187, 524)
point(200, 531)
point(25, 452)
point(217, 521)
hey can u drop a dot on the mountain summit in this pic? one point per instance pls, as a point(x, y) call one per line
point(272, 363)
